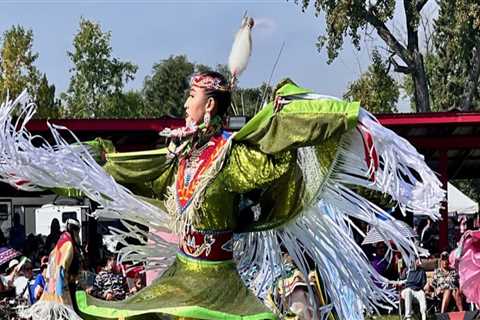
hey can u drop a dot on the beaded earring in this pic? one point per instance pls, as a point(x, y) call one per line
point(206, 119)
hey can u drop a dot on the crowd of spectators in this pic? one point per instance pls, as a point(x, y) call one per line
point(431, 280)
point(23, 279)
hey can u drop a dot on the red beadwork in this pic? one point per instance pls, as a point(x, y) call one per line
point(212, 246)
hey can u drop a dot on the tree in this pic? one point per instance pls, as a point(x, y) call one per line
point(375, 89)
point(96, 75)
point(125, 105)
point(47, 105)
point(349, 17)
point(17, 70)
point(165, 90)
point(456, 61)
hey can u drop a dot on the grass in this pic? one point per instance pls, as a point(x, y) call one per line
point(383, 317)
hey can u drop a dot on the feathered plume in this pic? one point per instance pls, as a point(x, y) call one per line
point(241, 49)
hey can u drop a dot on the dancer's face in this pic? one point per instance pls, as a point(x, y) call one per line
point(197, 104)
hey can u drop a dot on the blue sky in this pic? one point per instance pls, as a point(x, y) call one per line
point(145, 32)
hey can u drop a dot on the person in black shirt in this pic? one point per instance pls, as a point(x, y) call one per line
point(53, 237)
point(415, 281)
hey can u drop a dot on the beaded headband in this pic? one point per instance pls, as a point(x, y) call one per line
point(208, 82)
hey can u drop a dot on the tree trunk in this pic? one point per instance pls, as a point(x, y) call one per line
point(412, 20)
point(410, 55)
point(422, 99)
point(472, 82)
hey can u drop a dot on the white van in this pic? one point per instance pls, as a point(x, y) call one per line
point(46, 213)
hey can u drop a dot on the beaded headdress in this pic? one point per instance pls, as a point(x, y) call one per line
point(209, 83)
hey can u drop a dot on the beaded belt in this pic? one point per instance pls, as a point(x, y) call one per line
point(213, 246)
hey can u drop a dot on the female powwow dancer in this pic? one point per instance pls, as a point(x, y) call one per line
point(301, 154)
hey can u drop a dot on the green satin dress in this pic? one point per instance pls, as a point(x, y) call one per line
point(262, 156)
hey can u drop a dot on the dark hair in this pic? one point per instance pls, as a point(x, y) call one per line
point(222, 98)
point(43, 267)
point(55, 226)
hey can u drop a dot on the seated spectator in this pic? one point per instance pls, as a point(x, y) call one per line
point(22, 279)
point(445, 284)
point(138, 284)
point(414, 282)
point(378, 261)
point(109, 283)
point(10, 274)
point(39, 284)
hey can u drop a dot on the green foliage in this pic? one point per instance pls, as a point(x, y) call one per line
point(97, 77)
point(470, 187)
point(165, 90)
point(452, 61)
point(349, 18)
point(376, 90)
point(457, 35)
point(17, 70)
point(47, 106)
point(125, 105)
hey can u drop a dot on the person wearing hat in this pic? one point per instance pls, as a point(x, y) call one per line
point(11, 272)
point(22, 278)
point(445, 283)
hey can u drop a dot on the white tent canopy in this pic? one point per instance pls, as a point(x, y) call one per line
point(459, 203)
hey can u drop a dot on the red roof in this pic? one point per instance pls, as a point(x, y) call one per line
point(456, 133)
point(429, 118)
point(112, 125)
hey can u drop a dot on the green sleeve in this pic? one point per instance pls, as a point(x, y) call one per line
point(145, 173)
point(300, 123)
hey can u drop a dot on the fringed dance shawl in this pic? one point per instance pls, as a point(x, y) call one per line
point(56, 301)
point(304, 153)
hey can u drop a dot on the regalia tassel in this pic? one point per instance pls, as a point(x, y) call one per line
point(241, 49)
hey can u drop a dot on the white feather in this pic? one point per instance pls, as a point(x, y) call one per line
point(241, 48)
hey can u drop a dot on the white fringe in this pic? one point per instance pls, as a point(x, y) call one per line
point(153, 251)
point(398, 159)
point(48, 310)
point(323, 234)
point(323, 229)
point(63, 165)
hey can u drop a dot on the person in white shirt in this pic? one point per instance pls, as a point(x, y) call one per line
point(22, 280)
point(11, 272)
